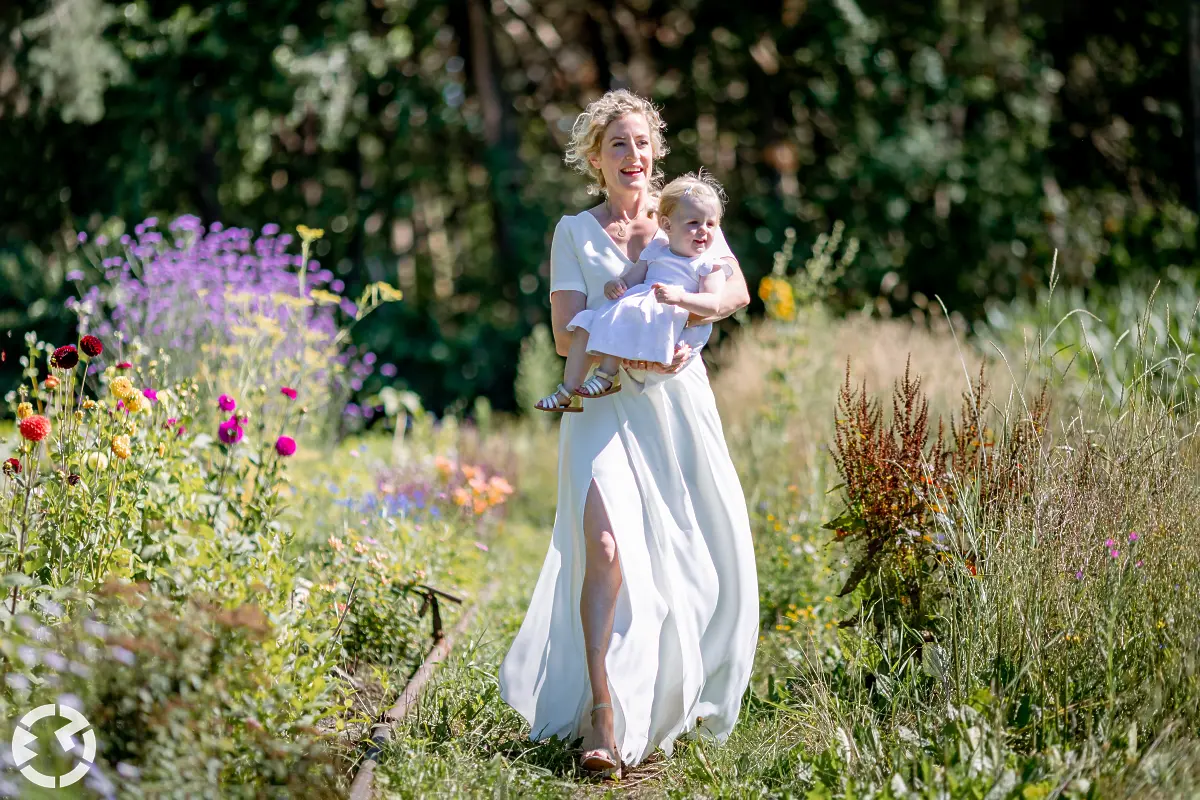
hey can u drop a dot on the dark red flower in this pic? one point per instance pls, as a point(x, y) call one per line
point(65, 357)
point(73, 479)
point(91, 346)
point(12, 467)
point(124, 365)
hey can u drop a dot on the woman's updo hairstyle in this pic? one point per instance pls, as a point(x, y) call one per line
point(587, 134)
point(695, 184)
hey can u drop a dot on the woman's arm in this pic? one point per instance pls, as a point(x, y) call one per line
point(564, 305)
point(734, 297)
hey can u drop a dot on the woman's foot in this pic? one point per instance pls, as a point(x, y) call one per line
point(600, 757)
point(600, 384)
point(561, 401)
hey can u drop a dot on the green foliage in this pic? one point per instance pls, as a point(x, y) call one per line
point(960, 143)
point(539, 370)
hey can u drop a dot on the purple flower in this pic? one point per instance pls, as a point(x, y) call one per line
point(75, 275)
point(227, 403)
point(82, 237)
point(285, 446)
point(388, 370)
point(102, 240)
point(270, 229)
point(230, 431)
point(1079, 575)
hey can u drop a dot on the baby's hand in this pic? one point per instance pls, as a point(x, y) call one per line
point(614, 289)
point(668, 294)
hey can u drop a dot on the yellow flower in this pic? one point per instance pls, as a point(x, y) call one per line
point(308, 234)
point(122, 388)
point(89, 404)
point(24, 410)
point(136, 403)
point(96, 461)
point(79, 416)
point(120, 447)
point(322, 296)
point(162, 449)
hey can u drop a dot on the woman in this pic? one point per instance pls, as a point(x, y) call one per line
point(644, 620)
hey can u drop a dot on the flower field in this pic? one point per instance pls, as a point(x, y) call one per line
point(192, 559)
point(975, 561)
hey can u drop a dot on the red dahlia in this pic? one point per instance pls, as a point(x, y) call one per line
point(91, 346)
point(12, 467)
point(65, 357)
point(35, 428)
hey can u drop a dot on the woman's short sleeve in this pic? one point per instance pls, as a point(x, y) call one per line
point(720, 251)
point(566, 273)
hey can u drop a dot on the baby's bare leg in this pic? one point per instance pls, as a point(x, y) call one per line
point(578, 360)
point(609, 364)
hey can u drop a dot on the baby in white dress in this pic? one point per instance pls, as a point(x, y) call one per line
point(651, 302)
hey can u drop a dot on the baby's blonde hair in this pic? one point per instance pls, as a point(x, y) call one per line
point(701, 184)
point(587, 133)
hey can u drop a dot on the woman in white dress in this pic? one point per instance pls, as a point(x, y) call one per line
point(644, 620)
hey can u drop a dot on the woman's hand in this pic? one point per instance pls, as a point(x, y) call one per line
point(615, 289)
point(683, 352)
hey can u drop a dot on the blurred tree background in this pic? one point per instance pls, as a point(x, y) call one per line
point(961, 141)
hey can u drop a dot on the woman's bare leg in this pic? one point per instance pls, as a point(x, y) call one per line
point(597, 605)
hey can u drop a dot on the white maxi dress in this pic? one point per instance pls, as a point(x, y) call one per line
point(686, 622)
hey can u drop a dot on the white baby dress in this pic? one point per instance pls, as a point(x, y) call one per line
point(638, 327)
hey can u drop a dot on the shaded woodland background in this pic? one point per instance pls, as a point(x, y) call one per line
point(961, 141)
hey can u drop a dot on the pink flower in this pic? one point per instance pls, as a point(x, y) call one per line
point(226, 403)
point(170, 423)
point(285, 446)
point(1114, 553)
point(1079, 575)
point(230, 431)
point(1109, 543)
point(150, 395)
point(288, 392)
point(1139, 563)
point(482, 546)
point(124, 365)
point(34, 428)
point(1133, 537)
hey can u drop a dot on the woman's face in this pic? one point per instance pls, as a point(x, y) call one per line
point(626, 158)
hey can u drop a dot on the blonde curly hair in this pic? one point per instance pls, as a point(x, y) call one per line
point(588, 132)
point(699, 183)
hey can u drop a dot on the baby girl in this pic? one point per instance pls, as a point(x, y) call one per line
point(651, 302)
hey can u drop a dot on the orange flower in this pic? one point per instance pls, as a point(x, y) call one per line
point(472, 473)
point(51, 382)
point(500, 485)
point(481, 505)
point(461, 497)
point(444, 466)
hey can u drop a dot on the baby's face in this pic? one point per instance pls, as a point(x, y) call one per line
point(692, 225)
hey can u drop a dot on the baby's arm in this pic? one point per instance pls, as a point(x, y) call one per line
point(630, 277)
point(705, 302)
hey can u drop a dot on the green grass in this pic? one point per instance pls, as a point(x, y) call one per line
point(1035, 684)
